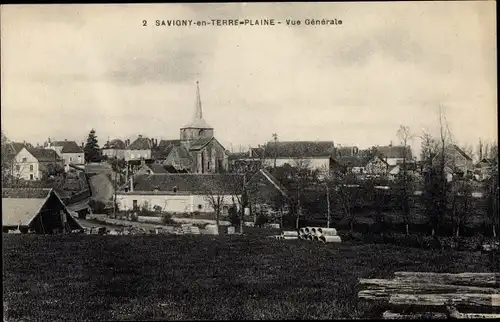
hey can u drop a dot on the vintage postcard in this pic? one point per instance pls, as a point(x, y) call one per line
point(242, 161)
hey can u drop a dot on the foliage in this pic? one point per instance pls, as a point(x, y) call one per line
point(91, 149)
point(97, 206)
point(166, 219)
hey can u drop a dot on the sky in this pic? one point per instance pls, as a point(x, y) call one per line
point(67, 69)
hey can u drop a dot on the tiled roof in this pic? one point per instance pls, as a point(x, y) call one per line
point(352, 161)
point(297, 149)
point(58, 143)
point(44, 155)
point(140, 144)
point(166, 143)
point(200, 143)
point(198, 124)
point(190, 183)
point(98, 168)
point(71, 147)
point(26, 193)
point(346, 151)
point(394, 152)
point(115, 144)
point(16, 147)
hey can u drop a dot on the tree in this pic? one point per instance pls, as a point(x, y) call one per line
point(91, 149)
point(460, 204)
point(404, 135)
point(492, 192)
point(6, 158)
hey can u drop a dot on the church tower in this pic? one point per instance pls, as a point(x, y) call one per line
point(198, 128)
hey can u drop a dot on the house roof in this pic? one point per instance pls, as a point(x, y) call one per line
point(16, 147)
point(20, 206)
point(352, 161)
point(44, 155)
point(257, 152)
point(98, 168)
point(190, 183)
point(140, 144)
point(155, 168)
point(167, 143)
point(179, 158)
point(71, 147)
point(297, 149)
point(345, 151)
point(394, 152)
point(280, 187)
point(462, 153)
point(115, 144)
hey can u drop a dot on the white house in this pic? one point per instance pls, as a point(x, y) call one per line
point(140, 149)
point(393, 154)
point(69, 151)
point(114, 149)
point(181, 193)
point(30, 163)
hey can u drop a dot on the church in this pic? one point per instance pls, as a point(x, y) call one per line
point(196, 151)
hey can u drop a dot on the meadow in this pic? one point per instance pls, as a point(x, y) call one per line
point(161, 277)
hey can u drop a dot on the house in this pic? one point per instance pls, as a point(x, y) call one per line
point(243, 162)
point(151, 168)
point(265, 190)
point(114, 149)
point(69, 151)
point(181, 193)
point(38, 210)
point(393, 155)
point(350, 164)
point(456, 159)
point(316, 155)
point(394, 171)
point(139, 149)
point(378, 166)
point(32, 163)
point(483, 168)
point(197, 150)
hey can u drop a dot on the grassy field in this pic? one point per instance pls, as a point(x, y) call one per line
point(91, 277)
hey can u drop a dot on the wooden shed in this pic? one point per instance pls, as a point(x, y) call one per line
point(37, 210)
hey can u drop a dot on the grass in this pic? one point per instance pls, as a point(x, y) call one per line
point(90, 277)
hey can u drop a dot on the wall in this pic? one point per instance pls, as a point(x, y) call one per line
point(23, 169)
point(188, 136)
point(169, 203)
point(73, 158)
point(137, 154)
point(112, 153)
point(315, 163)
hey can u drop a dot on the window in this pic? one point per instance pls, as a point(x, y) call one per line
point(200, 207)
point(175, 189)
point(24, 159)
point(31, 167)
point(134, 204)
point(31, 177)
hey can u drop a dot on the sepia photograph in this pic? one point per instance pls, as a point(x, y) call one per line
point(250, 161)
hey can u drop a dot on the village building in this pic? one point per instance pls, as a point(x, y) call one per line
point(459, 162)
point(483, 169)
point(313, 155)
point(265, 192)
point(114, 149)
point(181, 193)
point(139, 149)
point(38, 210)
point(394, 154)
point(32, 163)
point(68, 151)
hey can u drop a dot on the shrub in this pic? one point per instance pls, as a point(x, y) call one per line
point(167, 219)
point(134, 217)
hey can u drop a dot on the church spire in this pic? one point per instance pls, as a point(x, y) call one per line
point(199, 113)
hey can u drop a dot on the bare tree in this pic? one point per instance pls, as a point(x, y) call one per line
point(405, 136)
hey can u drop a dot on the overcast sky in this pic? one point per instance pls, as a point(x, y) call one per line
point(66, 69)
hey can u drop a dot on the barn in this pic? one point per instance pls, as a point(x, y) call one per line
point(36, 210)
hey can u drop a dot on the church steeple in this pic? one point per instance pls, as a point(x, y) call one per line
point(199, 113)
point(198, 122)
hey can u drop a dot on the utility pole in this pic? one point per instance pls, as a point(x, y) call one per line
point(275, 138)
point(328, 204)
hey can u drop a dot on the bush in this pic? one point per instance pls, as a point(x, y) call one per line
point(134, 217)
point(167, 219)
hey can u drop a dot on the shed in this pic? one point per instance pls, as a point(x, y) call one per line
point(39, 210)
